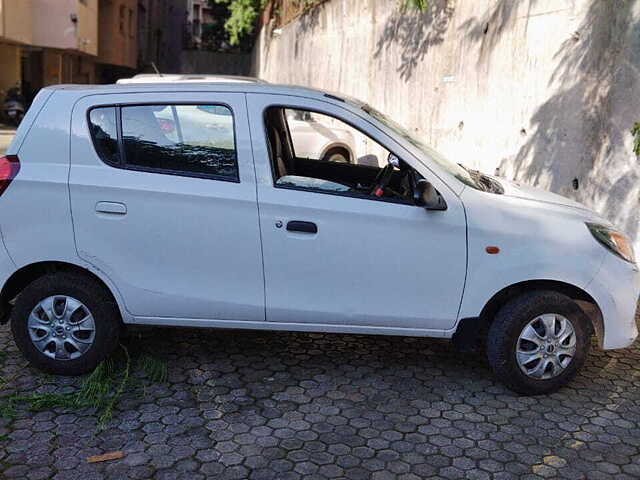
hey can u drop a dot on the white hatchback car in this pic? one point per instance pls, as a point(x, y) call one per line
point(110, 216)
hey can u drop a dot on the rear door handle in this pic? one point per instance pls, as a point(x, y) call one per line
point(115, 208)
point(303, 227)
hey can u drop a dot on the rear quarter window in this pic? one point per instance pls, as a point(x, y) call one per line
point(104, 132)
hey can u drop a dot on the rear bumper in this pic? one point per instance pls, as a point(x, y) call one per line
point(616, 288)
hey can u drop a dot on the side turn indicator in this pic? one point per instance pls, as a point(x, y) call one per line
point(492, 250)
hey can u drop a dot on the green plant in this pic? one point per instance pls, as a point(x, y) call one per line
point(243, 15)
point(417, 4)
point(154, 369)
point(100, 390)
point(97, 391)
point(635, 131)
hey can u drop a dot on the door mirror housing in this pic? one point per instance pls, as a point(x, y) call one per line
point(393, 160)
point(428, 197)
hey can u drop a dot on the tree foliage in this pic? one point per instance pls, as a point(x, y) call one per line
point(417, 4)
point(635, 131)
point(243, 15)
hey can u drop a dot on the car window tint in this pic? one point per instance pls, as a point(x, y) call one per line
point(180, 139)
point(103, 127)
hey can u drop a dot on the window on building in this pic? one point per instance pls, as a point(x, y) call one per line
point(122, 19)
point(131, 25)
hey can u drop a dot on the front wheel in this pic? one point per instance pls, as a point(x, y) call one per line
point(538, 342)
point(65, 323)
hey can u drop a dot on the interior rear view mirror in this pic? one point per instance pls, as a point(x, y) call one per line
point(428, 197)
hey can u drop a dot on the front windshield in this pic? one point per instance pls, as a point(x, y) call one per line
point(454, 169)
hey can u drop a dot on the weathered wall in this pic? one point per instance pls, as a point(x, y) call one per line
point(544, 91)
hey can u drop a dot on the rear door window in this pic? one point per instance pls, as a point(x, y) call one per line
point(189, 140)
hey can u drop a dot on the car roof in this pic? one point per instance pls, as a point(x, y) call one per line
point(79, 90)
point(187, 78)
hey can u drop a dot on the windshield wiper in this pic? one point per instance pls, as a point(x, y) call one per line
point(484, 182)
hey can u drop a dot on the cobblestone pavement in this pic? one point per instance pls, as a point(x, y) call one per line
point(267, 405)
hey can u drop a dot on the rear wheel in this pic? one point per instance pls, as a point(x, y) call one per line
point(538, 342)
point(65, 323)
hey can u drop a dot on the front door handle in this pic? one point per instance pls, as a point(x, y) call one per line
point(114, 208)
point(302, 227)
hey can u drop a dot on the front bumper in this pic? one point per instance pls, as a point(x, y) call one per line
point(616, 288)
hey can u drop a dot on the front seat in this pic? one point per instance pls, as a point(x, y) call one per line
point(276, 151)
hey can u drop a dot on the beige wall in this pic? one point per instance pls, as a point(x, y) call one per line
point(118, 46)
point(15, 20)
point(53, 28)
point(544, 91)
point(10, 71)
point(88, 26)
point(64, 67)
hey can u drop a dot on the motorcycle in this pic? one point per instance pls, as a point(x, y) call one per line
point(14, 106)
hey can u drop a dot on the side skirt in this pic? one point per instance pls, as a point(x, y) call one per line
point(293, 327)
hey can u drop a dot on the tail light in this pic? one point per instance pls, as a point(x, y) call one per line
point(9, 168)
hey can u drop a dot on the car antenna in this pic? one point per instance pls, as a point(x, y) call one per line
point(153, 64)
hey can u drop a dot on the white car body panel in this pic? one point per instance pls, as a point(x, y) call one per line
point(198, 252)
point(186, 246)
point(371, 263)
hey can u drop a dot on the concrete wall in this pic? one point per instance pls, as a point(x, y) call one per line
point(543, 91)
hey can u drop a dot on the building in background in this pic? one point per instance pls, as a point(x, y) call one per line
point(117, 40)
point(199, 18)
point(46, 42)
point(161, 34)
point(15, 33)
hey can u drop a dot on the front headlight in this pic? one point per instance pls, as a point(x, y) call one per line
point(613, 240)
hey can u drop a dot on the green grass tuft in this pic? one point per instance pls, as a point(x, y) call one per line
point(154, 369)
point(100, 390)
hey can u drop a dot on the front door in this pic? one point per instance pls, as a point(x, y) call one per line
point(163, 197)
point(337, 249)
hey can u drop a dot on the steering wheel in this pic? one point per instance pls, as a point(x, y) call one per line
point(381, 181)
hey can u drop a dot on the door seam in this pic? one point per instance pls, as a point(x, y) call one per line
point(255, 176)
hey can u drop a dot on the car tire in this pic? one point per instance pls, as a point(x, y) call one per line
point(83, 314)
point(337, 155)
point(541, 365)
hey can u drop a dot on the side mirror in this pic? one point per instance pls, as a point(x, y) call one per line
point(428, 197)
point(393, 160)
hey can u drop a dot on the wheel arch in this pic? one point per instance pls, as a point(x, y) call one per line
point(470, 330)
point(341, 145)
point(28, 273)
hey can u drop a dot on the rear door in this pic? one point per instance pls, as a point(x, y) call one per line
point(167, 209)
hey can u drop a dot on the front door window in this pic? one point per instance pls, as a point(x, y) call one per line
point(318, 152)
